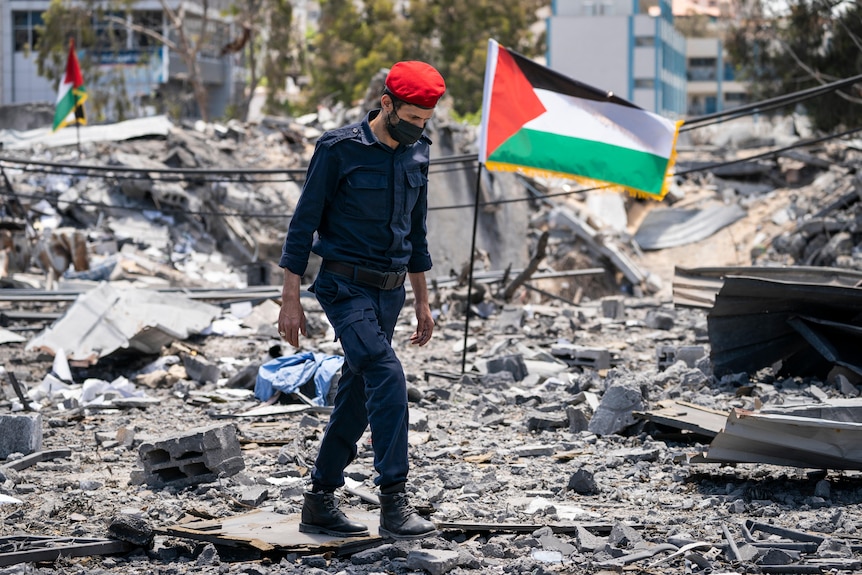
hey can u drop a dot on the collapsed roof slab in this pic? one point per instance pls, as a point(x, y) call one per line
point(105, 319)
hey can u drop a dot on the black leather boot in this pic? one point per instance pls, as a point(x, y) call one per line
point(320, 514)
point(399, 520)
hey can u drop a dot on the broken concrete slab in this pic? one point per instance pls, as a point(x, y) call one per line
point(106, 319)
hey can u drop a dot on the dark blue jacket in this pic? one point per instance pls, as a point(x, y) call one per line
point(367, 202)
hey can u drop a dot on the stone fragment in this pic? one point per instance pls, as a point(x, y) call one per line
point(615, 411)
point(539, 421)
point(200, 369)
point(20, 434)
point(659, 319)
point(434, 561)
point(254, 496)
point(582, 481)
point(514, 364)
point(775, 556)
point(578, 420)
point(132, 529)
point(624, 536)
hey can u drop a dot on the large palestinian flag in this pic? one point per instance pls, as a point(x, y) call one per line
point(537, 121)
point(72, 94)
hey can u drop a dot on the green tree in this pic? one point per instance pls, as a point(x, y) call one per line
point(454, 35)
point(815, 42)
point(357, 39)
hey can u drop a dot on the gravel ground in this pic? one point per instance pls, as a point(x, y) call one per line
point(478, 456)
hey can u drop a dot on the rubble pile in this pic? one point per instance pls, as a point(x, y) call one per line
point(587, 432)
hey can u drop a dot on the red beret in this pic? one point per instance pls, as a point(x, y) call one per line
point(416, 83)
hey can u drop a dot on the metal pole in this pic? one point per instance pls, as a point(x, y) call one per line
point(470, 274)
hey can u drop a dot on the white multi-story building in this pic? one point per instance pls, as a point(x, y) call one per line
point(628, 47)
point(145, 66)
point(712, 84)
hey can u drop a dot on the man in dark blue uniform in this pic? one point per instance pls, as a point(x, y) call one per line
point(365, 196)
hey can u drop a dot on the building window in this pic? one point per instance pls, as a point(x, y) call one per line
point(150, 19)
point(702, 69)
point(648, 83)
point(645, 41)
point(24, 33)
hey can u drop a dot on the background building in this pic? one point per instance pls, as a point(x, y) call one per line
point(151, 74)
point(629, 47)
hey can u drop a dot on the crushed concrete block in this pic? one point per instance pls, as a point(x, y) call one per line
point(511, 319)
point(254, 495)
point(20, 434)
point(586, 541)
point(197, 456)
point(658, 319)
point(578, 420)
point(624, 536)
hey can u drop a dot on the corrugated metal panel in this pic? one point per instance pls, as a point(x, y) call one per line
point(779, 439)
point(754, 324)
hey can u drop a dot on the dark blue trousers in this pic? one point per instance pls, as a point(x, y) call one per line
point(372, 389)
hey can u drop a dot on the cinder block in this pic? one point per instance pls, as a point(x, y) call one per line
point(613, 308)
point(20, 434)
point(596, 358)
point(197, 456)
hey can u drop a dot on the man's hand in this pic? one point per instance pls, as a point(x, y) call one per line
point(424, 319)
point(291, 318)
point(424, 327)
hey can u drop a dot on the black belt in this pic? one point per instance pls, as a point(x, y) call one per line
point(368, 277)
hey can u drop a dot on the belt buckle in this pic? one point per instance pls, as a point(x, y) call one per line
point(391, 280)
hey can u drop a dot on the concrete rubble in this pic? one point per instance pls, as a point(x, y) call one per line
point(589, 432)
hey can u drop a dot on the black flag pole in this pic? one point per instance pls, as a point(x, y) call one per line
point(77, 123)
point(470, 274)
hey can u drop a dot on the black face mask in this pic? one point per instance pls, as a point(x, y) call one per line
point(403, 132)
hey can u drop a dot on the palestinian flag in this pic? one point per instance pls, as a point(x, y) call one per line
point(539, 122)
point(71, 95)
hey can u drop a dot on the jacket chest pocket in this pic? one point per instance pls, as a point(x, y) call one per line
point(416, 181)
point(366, 195)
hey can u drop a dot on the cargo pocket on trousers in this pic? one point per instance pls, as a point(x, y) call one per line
point(362, 339)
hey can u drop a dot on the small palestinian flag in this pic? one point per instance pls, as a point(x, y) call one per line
point(539, 122)
point(71, 95)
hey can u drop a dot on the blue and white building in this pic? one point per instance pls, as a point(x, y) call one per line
point(629, 47)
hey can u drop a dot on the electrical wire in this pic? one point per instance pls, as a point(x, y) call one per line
point(205, 176)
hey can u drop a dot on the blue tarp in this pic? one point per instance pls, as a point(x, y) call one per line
point(287, 374)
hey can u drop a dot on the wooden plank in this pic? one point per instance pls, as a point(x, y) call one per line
point(687, 416)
